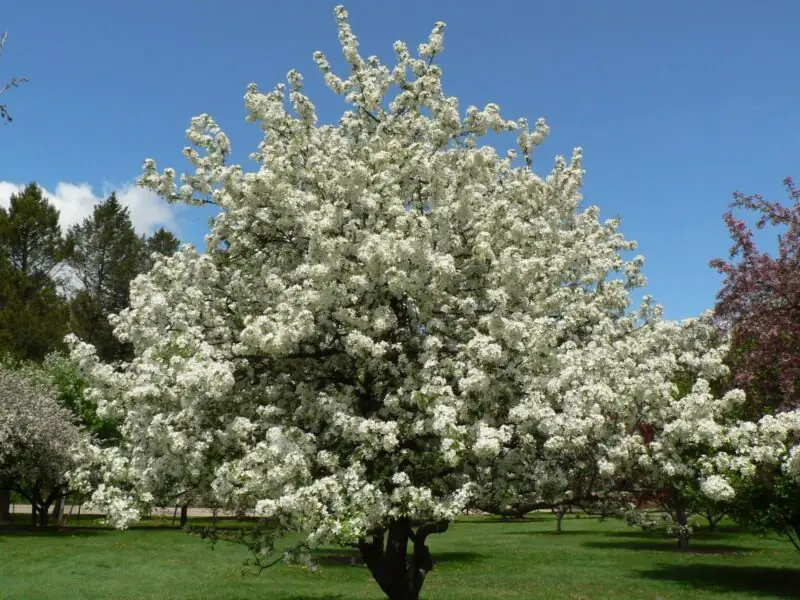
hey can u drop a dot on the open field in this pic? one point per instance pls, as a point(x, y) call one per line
point(479, 559)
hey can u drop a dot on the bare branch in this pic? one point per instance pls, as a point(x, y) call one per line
point(14, 82)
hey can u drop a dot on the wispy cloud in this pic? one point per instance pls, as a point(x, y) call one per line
point(75, 201)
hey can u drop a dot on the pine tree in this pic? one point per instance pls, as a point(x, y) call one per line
point(106, 254)
point(32, 310)
point(161, 242)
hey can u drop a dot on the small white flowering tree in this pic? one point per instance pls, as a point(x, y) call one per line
point(685, 424)
point(40, 443)
point(385, 306)
point(609, 423)
point(760, 462)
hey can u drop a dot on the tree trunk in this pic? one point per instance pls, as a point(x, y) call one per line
point(34, 515)
point(559, 519)
point(184, 515)
point(44, 516)
point(399, 575)
point(5, 505)
point(58, 509)
point(713, 520)
point(683, 533)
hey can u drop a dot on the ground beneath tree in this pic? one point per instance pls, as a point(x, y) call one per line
point(480, 558)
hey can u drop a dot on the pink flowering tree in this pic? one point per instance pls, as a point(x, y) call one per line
point(759, 308)
point(759, 303)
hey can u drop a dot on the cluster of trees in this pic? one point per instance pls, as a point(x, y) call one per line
point(394, 321)
point(53, 283)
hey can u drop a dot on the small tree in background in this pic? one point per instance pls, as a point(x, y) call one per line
point(159, 243)
point(758, 307)
point(33, 313)
point(40, 443)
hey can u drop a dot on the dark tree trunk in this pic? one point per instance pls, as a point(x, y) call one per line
point(184, 515)
point(34, 515)
point(44, 516)
point(683, 534)
point(399, 575)
point(713, 520)
point(5, 505)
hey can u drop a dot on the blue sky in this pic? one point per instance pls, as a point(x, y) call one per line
point(676, 104)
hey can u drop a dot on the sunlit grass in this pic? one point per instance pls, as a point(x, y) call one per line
point(479, 558)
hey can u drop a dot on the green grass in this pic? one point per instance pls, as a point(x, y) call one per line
point(478, 559)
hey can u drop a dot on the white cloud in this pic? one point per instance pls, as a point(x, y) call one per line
point(76, 202)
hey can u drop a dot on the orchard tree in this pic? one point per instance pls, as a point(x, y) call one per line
point(40, 444)
point(384, 306)
point(683, 431)
point(611, 424)
point(761, 460)
point(759, 308)
point(759, 304)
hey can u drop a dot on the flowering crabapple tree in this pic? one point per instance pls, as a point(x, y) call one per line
point(759, 301)
point(757, 307)
point(40, 444)
point(762, 462)
point(385, 305)
point(611, 424)
point(685, 427)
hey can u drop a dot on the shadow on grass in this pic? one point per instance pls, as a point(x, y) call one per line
point(29, 531)
point(667, 545)
point(352, 558)
point(325, 597)
point(564, 533)
point(723, 579)
point(698, 534)
point(495, 520)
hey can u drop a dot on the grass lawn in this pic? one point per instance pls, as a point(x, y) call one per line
point(479, 559)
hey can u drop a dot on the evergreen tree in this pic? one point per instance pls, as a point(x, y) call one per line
point(106, 254)
point(31, 234)
point(161, 242)
point(32, 311)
